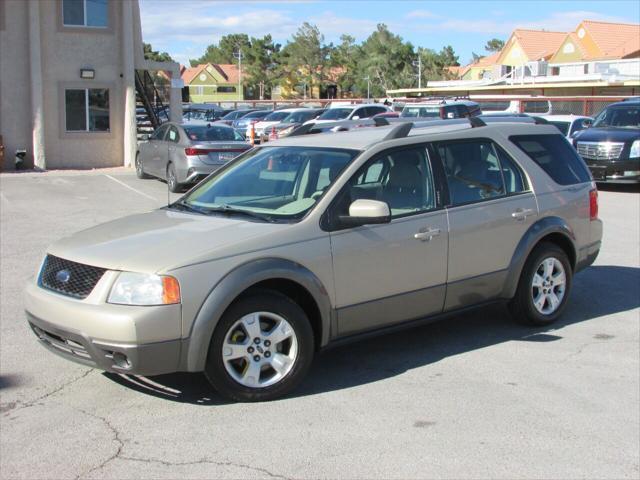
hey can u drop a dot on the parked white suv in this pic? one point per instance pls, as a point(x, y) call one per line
point(350, 112)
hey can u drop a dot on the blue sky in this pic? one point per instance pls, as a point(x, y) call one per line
point(184, 28)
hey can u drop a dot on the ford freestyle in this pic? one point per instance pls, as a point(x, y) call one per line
point(314, 240)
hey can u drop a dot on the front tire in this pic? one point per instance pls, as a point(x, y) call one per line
point(261, 349)
point(544, 286)
point(139, 168)
point(172, 180)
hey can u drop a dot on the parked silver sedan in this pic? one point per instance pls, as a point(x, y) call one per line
point(185, 154)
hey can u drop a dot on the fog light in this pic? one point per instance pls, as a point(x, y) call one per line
point(121, 360)
point(631, 173)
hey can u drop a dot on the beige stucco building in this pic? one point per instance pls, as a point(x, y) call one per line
point(67, 81)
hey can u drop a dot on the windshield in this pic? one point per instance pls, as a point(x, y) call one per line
point(276, 116)
point(562, 126)
point(622, 116)
point(275, 182)
point(335, 114)
point(430, 112)
point(213, 133)
point(258, 114)
point(205, 115)
point(299, 117)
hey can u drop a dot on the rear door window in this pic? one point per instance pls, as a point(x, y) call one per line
point(555, 156)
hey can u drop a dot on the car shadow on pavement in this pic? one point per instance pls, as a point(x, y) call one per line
point(382, 357)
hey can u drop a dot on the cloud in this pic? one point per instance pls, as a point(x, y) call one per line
point(421, 14)
point(333, 26)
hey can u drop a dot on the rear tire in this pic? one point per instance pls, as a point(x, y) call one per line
point(544, 286)
point(261, 349)
point(172, 180)
point(139, 168)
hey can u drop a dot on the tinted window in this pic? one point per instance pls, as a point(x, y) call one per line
point(336, 114)
point(159, 133)
point(431, 111)
point(213, 133)
point(402, 179)
point(622, 116)
point(276, 116)
point(473, 171)
point(555, 156)
point(514, 179)
point(87, 110)
point(85, 13)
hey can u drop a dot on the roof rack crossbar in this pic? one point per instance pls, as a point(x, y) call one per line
point(399, 131)
point(380, 121)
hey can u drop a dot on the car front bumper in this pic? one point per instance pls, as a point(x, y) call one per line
point(115, 338)
point(614, 172)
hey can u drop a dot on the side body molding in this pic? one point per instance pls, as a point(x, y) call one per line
point(195, 348)
point(536, 232)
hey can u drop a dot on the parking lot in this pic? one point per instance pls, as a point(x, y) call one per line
point(476, 396)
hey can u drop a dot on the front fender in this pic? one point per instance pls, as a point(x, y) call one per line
point(529, 240)
point(236, 282)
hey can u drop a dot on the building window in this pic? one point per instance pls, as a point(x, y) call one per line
point(199, 90)
point(226, 89)
point(86, 109)
point(85, 13)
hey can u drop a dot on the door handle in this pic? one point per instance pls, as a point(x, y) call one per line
point(522, 213)
point(427, 234)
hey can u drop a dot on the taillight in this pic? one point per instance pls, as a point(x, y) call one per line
point(207, 151)
point(593, 204)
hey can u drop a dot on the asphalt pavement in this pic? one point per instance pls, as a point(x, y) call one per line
point(476, 396)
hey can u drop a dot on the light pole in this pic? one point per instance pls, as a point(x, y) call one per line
point(419, 65)
point(368, 79)
point(239, 57)
point(304, 90)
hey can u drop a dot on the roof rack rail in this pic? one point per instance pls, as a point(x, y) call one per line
point(476, 122)
point(540, 120)
point(302, 129)
point(399, 131)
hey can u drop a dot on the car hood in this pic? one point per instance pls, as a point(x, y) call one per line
point(161, 240)
point(608, 134)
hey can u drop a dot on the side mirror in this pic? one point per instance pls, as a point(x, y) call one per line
point(355, 117)
point(366, 212)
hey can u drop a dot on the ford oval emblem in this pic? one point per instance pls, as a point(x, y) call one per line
point(63, 276)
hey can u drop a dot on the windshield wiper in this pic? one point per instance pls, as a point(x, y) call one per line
point(182, 205)
point(230, 210)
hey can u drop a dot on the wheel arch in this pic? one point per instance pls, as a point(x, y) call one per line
point(284, 276)
point(549, 229)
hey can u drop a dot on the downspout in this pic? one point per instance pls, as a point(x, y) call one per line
point(35, 65)
point(128, 73)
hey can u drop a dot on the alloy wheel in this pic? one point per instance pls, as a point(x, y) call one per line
point(548, 286)
point(260, 349)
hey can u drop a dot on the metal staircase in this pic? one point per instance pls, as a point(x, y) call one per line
point(151, 111)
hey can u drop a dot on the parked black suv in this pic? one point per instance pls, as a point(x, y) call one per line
point(611, 147)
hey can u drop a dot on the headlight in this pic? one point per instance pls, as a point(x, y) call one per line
point(635, 149)
point(143, 289)
point(286, 131)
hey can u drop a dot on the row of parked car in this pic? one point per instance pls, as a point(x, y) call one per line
point(183, 154)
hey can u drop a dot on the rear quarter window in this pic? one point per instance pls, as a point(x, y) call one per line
point(555, 156)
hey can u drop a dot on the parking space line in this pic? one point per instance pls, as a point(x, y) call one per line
point(131, 188)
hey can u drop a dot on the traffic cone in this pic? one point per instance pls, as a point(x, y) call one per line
point(252, 135)
point(273, 135)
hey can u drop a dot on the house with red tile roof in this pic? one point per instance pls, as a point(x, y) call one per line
point(210, 82)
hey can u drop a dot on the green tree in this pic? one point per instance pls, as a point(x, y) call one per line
point(386, 60)
point(261, 61)
point(344, 58)
point(494, 45)
point(306, 58)
point(224, 51)
point(151, 54)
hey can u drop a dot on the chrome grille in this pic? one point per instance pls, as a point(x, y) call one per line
point(69, 278)
point(600, 150)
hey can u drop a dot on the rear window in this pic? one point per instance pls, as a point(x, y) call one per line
point(212, 134)
point(555, 156)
